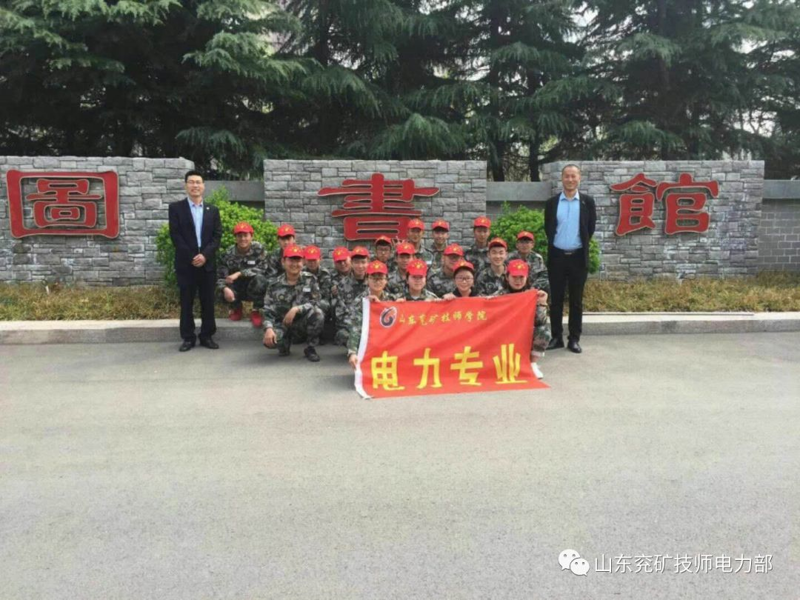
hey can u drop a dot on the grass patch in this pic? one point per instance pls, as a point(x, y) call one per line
point(768, 292)
point(37, 302)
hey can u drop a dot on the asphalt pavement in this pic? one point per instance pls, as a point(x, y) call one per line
point(134, 471)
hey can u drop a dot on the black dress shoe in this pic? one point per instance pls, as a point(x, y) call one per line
point(574, 346)
point(186, 346)
point(311, 354)
point(555, 343)
point(209, 343)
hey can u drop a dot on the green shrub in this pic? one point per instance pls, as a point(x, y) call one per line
point(230, 214)
point(510, 223)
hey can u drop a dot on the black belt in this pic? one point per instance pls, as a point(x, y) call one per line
point(567, 252)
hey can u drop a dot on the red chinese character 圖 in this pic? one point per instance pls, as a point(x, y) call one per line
point(377, 206)
point(686, 217)
point(636, 207)
point(63, 204)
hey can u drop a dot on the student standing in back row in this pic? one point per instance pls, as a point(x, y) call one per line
point(569, 221)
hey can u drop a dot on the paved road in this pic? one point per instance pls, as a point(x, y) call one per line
point(133, 471)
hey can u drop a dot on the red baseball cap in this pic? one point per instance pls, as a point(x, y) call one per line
point(359, 251)
point(285, 231)
point(416, 224)
point(525, 235)
point(498, 242)
point(312, 253)
point(441, 224)
point(405, 248)
point(518, 267)
point(293, 251)
point(464, 264)
point(383, 239)
point(341, 253)
point(377, 266)
point(481, 222)
point(243, 227)
point(417, 267)
point(454, 249)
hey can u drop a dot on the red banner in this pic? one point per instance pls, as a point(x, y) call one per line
point(447, 347)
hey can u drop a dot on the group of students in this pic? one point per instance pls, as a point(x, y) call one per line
point(294, 296)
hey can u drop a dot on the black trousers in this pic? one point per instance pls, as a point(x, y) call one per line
point(567, 273)
point(200, 283)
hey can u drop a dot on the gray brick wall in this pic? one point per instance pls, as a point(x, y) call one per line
point(728, 248)
point(779, 236)
point(146, 186)
point(291, 186)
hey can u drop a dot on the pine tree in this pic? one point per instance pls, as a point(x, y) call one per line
point(142, 77)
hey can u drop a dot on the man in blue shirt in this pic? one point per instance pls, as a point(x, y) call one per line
point(569, 222)
point(196, 232)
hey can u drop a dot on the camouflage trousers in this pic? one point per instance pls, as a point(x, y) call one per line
point(250, 289)
point(541, 332)
point(304, 329)
point(342, 335)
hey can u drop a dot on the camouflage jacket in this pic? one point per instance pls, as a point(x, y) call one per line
point(281, 297)
point(439, 283)
point(488, 284)
point(426, 295)
point(436, 257)
point(424, 255)
point(397, 282)
point(249, 265)
point(325, 281)
point(537, 271)
point(357, 317)
point(479, 257)
point(274, 263)
point(346, 293)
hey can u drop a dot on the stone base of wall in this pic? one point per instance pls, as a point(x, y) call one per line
point(779, 236)
point(146, 187)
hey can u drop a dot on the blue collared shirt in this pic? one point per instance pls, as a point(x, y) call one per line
point(197, 217)
point(568, 227)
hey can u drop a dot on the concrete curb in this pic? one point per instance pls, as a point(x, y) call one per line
point(166, 330)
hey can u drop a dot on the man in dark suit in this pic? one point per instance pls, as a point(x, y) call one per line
point(196, 231)
point(569, 221)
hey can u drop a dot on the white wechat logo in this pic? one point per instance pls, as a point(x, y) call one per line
point(571, 560)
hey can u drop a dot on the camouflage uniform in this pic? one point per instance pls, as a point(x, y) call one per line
point(426, 295)
point(346, 293)
point(274, 264)
point(424, 255)
point(252, 283)
point(537, 271)
point(541, 329)
point(488, 284)
point(325, 282)
point(281, 297)
point(357, 318)
point(436, 257)
point(479, 257)
point(440, 284)
point(397, 282)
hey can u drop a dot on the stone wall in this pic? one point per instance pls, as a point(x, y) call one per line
point(728, 248)
point(291, 186)
point(146, 186)
point(779, 236)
